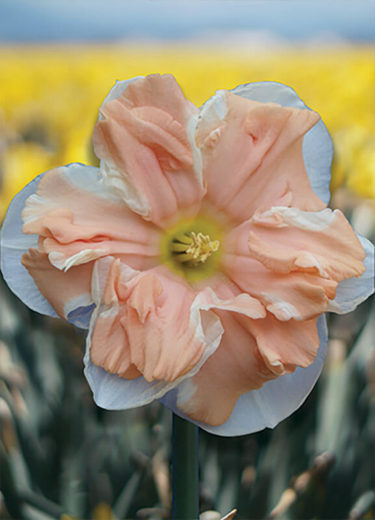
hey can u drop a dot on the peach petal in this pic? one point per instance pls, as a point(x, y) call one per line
point(241, 303)
point(284, 345)
point(287, 239)
point(66, 292)
point(288, 259)
point(144, 322)
point(144, 138)
point(115, 357)
point(317, 143)
point(265, 166)
point(77, 226)
point(295, 295)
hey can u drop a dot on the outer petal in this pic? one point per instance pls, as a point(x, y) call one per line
point(13, 245)
point(265, 166)
point(317, 143)
point(292, 260)
point(127, 340)
point(267, 406)
point(145, 140)
point(78, 220)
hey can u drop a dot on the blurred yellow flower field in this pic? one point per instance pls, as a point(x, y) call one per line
point(49, 98)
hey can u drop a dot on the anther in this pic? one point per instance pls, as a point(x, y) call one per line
point(194, 247)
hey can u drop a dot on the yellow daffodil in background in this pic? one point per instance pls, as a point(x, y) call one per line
point(48, 96)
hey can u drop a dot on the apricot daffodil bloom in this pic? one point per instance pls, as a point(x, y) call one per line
point(201, 255)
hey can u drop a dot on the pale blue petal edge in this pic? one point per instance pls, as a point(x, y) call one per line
point(116, 393)
point(266, 407)
point(14, 243)
point(117, 89)
point(353, 291)
point(317, 143)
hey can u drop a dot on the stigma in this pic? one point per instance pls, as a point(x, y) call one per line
point(193, 248)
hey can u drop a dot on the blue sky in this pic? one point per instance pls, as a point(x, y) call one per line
point(98, 20)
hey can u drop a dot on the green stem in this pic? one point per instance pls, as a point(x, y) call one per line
point(185, 480)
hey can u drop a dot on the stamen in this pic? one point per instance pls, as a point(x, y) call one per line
point(194, 247)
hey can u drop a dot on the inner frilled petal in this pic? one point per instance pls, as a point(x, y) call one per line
point(144, 326)
point(295, 295)
point(287, 239)
point(77, 225)
point(292, 260)
point(252, 155)
point(69, 293)
point(224, 295)
point(284, 345)
point(145, 141)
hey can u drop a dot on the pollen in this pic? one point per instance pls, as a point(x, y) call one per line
point(193, 248)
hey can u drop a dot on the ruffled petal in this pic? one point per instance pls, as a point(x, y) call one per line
point(145, 139)
point(147, 330)
point(144, 322)
point(353, 291)
point(285, 345)
point(287, 239)
point(265, 165)
point(240, 302)
point(268, 405)
point(78, 221)
point(292, 260)
point(13, 246)
point(317, 143)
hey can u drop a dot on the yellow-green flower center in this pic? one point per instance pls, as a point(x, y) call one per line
point(192, 248)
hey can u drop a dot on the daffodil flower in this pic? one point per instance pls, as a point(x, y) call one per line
point(200, 255)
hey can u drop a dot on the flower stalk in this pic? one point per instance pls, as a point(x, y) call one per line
point(185, 481)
